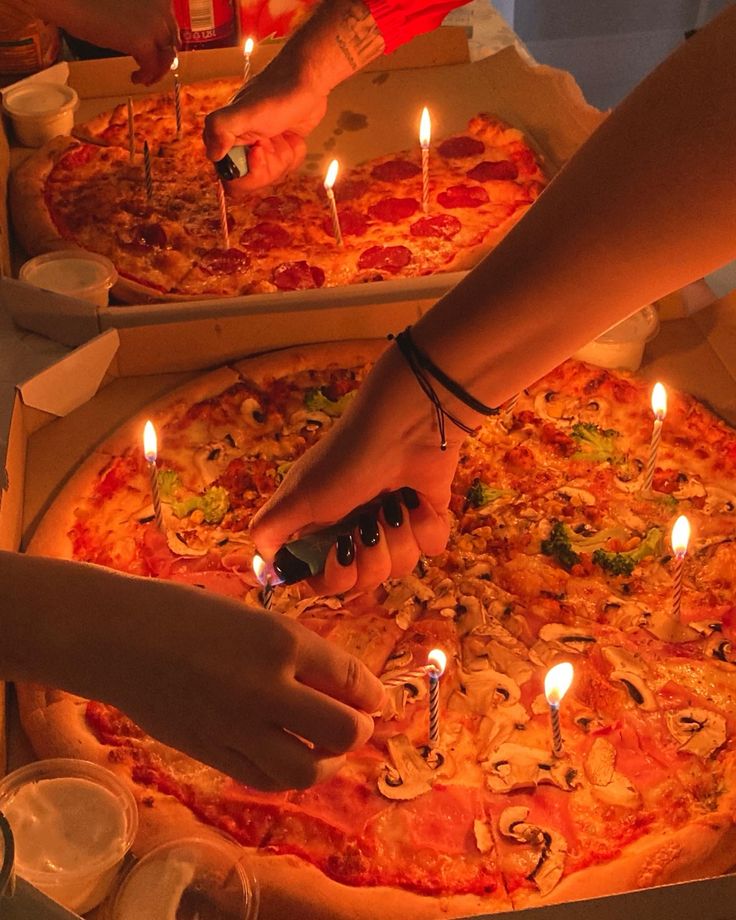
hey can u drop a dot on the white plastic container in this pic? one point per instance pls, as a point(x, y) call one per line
point(187, 878)
point(40, 111)
point(73, 823)
point(622, 346)
point(72, 272)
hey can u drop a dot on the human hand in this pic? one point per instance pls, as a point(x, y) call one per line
point(386, 441)
point(145, 29)
point(251, 693)
point(272, 114)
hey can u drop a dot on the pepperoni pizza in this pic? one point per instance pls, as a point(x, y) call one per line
point(171, 246)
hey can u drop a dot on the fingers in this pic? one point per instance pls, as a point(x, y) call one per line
point(154, 62)
point(289, 762)
point(219, 132)
point(328, 724)
point(267, 163)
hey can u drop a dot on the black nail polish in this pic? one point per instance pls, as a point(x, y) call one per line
point(392, 510)
point(410, 497)
point(368, 529)
point(345, 548)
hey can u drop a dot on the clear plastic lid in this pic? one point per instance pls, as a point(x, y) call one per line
point(31, 99)
point(194, 878)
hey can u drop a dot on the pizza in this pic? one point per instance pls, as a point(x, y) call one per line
point(86, 192)
point(556, 554)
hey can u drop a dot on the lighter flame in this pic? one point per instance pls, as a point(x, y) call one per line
point(659, 401)
point(248, 47)
point(557, 682)
point(331, 175)
point(150, 443)
point(175, 63)
point(259, 567)
point(437, 660)
point(425, 128)
point(680, 536)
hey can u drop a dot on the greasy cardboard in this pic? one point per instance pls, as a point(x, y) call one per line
point(371, 114)
point(696, 353)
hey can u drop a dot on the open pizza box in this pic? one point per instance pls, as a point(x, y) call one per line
point(62, 412)
point(373, 113)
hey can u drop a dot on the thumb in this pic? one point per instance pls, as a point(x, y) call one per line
point(219, 132)
point(284, 514)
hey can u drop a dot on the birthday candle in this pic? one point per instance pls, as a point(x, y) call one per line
point(679, 539)
point(556, 684)
point(222, 204)
point(425, 130)
point(659, 408)
point(147, 170)
point(330, 178)
point(177, 96)
point(150, 450)
point(247, 51)
point(131, 130)
point(436, 664)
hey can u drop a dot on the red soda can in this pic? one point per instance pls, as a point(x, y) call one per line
point(205, 23)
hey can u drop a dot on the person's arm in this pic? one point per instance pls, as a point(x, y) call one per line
point(229, 685)
point(145, 29)
point(646, 205)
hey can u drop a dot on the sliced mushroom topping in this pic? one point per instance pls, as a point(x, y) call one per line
point(586, 720)
point(498, 727)
point(567, 638)
point(483, 836)
point(407, 589)
point(408, 775)
point(578, 497)
point(719, 500)
point(251, 412)
point(513, 824)
point(177, 545)
point(600, 762)
point(620, 791)
point(692, 488)
point(622, 660)
point(489, 689)
point(551, 863)
point(626, 614)
point(513, 766)
point(637, 689)
point(398, 661)
point(720, 648)
point(698, 731)
point(668, 629)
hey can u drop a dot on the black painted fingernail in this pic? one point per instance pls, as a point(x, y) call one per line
point(410, 497)
point(345, 549)
point(392, 510)
point(368, 529)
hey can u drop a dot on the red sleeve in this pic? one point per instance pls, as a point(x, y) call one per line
point(403, 19)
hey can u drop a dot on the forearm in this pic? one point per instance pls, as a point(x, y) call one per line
point(646, 205)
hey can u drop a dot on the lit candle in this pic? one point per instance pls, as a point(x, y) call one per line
point(659, 408)
point(131, 130)
point(556, 684)
point(329, 183)
point(436, 664)
point(222, 205)
point(247, 51)
point(425, 132)
point(264, 577)
point(147, 170)
point(177, 96)
point(150, 450)
point(679, 538)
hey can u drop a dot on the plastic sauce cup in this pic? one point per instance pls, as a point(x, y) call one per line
point(72, 272)
point(73, 823)
point(622, 346)
point(203, 876)
point(40, 111)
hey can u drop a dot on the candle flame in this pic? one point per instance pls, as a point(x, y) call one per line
point(175, 63)
point(248, 47)
point(680, 536)
point(557, 682)
point(425, 128)
point(437, 660)
point(150, 443)
point(265, 572)
point(659, 400)
point(331, 175)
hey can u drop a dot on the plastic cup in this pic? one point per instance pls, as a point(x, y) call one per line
point(187, 878)
point(40, 111)
point(622, 346)
point(73, 823)
point(72, 272)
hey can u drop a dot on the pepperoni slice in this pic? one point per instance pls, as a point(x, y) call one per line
point(459, 148)
point(225, 261)
point(441, 226)
point(350, 189)
point(275, 206)
point(352, 223)
point(488, 169)
point(463, 196)
point(297, 276)
point(386, 258)
point(392, 210)
point(151, 235)
point(214, 223)
point(395, 170)
point(265, 236)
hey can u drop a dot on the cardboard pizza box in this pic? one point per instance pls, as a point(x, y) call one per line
point(373, 113)
point(62, 412)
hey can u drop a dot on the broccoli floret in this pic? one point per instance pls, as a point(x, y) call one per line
point(316, 400)
point(214, 504)
point(624, 563)
point(168, 484)
point(595, 443)
point(479, 494)
point(558, 546)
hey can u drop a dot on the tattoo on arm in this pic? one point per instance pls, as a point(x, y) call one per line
point(358, 36)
